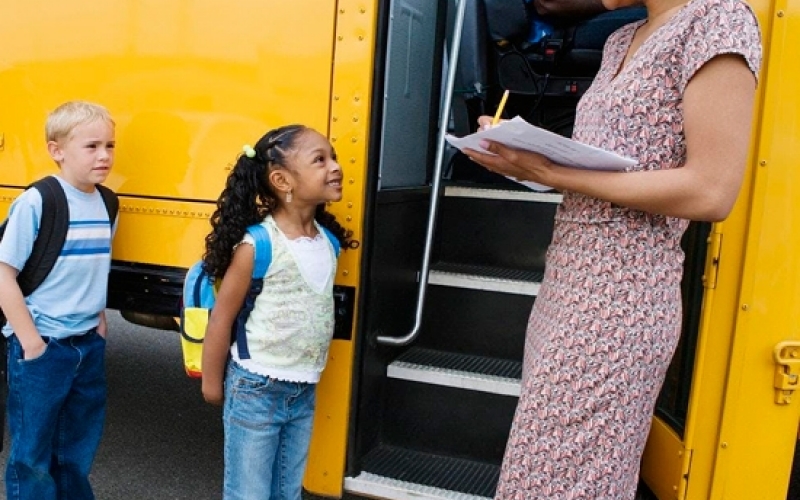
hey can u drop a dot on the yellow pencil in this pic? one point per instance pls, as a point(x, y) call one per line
point(502, 105)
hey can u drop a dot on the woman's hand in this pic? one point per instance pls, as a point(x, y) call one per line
point(515, 163)
point(485, 122)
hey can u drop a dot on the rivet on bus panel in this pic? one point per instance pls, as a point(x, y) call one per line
point(745, 307)
point(762, 163)
point(780, 13)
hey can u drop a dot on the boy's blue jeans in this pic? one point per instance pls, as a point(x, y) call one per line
point(56, 410)
point(267, 434)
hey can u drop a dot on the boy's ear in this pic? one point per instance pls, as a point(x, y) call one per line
point(55, 151)
point(280, 180)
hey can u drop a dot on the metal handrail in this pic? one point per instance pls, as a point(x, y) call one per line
point(436, 187)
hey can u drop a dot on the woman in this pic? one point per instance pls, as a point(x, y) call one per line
point(675, 92)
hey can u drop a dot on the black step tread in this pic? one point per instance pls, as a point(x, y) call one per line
point(491, 272)
point(481, 365)
point(449, 473)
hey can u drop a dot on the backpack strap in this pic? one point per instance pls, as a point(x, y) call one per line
point(337, 247)
point(262, 246)
point(50, 239)
point(111, 201)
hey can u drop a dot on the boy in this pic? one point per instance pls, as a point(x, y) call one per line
point(56, 335)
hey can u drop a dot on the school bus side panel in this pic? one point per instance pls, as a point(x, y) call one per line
point(188, 83)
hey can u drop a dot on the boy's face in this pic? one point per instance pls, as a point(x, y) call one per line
point(86, 155)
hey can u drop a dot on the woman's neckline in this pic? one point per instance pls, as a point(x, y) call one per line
point(665, 18)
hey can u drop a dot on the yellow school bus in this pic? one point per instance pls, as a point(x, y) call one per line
point(423, 374)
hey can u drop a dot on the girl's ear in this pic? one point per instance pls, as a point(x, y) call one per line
point(55, 151)
point(281, 180)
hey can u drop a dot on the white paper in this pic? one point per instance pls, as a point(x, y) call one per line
point(517, 133)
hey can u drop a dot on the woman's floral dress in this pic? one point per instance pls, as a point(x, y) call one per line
point(608, 317)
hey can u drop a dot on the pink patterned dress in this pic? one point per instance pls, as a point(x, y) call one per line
point(608, 317)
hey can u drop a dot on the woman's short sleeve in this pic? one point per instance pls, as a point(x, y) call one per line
point(721, 27)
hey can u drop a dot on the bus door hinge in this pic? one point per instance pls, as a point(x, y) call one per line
point(787, 370)
point(713, 253)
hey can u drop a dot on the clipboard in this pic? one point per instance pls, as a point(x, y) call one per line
point(518, 133)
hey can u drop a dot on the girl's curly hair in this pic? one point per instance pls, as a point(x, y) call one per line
point(247, 199)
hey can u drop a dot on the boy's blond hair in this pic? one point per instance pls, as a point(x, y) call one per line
point(63, 120)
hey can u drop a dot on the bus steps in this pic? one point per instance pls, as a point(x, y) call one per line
point(486, 278)
point(492, 193)
point(463, 371)
point(401, 474)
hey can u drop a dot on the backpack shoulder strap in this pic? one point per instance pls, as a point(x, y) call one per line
point(263, 250)
point(337, 247)
point(111, 201)
point(50, 239)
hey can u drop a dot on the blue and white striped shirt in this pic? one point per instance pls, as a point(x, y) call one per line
point(72, 296)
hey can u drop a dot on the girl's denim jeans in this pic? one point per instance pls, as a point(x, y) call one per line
point(267, 434)
point(56, 410)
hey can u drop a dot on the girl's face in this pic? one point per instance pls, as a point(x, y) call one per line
point(316, 176)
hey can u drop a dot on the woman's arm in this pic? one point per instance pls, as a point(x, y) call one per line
point(718, 107)
point(217, 342)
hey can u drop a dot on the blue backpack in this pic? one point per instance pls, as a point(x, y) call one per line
point(199, 296)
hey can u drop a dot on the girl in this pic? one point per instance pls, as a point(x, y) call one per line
point(282, 183)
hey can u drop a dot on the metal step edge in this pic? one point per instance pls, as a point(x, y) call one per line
point(374, 486)
point(454, 378)
point(484, 283)
point(501, 194)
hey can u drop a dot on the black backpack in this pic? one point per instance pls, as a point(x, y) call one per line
point(52, 232)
